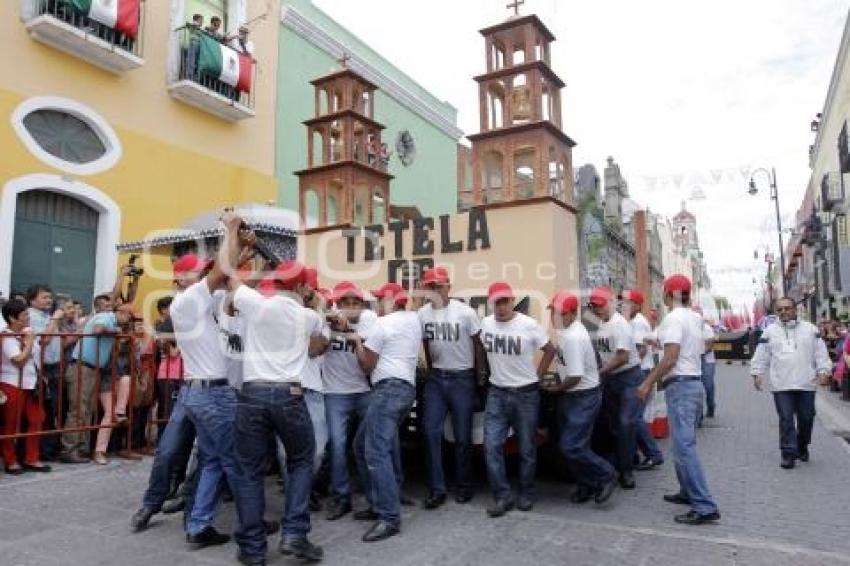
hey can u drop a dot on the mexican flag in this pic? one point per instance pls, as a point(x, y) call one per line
point(225, 64)
point(120, 15)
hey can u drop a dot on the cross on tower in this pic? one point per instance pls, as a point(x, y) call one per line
point(515, 5)
point(343, 61)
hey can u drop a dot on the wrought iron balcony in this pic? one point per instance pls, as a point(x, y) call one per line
point(193, 84)
point(57, 24)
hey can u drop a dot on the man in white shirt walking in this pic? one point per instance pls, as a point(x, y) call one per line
point(680, 375)
point(645, 340)
point(621, 375)
point(390, 352)
point(579, 401)
point(793, 356)
point(451, 337)
point(511, 340)
point(709, 365)
point(279, 335)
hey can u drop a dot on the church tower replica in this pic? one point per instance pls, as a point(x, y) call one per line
point(346, 180)
point(521, 151)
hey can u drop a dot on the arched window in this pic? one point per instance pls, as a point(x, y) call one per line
point(311, 206)
point(378, 207)
point(332, 210)
point(491, 176)
point(524, 173)
point(361, 207)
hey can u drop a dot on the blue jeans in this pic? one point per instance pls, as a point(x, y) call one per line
point(444, 393)
point(172, 454)
point(264, 411)
point(518, 410)
point(316, 407)
point(625, 411)
point(213, 412)
point(794, 437)
point(577, 413)
point(377, 446)
point(645, 442)
point(341, 410)
point(708, 370)
point(684, 404)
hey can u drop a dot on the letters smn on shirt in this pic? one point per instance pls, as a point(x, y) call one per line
point(501, 344)
point(445, 331)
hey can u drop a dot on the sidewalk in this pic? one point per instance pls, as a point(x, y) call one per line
point(771, 517)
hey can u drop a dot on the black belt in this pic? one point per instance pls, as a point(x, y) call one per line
point(272, 384)
point(207, 383)
point(454, 373)
point(678, 379)
point(520, 389)
point(582, 392)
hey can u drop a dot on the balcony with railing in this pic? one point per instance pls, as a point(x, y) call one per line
point(112, 41)
point(212, 76)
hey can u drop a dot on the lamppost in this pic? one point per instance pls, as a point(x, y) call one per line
point(774, 195)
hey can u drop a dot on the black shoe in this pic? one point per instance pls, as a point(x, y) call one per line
point(605, 492)
point(710, 414)
point(463, 497)
point(677, 498)
point(627, 481)
point(315, 503)
point(365, 515)
point(271, 527)
point(250, 560)
point(582, 494)
point(337, 509)
point(525, 503)
point(434, 501)
point(300, 547)
point(405, 500)
point(499, 508)
point(694, 518)
point(803, 455)
point(42, 469)
point(174, 506)
point(208, 537)
point(380, 531)
point(14, 471)
point(648, 464)
point(787, 463)
point(139, 521)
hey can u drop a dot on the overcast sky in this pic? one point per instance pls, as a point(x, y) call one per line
point(687, 96)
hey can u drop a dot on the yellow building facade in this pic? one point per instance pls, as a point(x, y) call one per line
point(107, 138)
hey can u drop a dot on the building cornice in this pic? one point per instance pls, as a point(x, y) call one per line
point(320, 38)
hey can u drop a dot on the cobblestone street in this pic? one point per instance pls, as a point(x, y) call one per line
point(771, 516)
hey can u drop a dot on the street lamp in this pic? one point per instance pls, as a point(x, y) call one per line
point(774, 195)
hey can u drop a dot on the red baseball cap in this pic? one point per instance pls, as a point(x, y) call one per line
point(190, 262)
point(311, 277)
point(347, 289)
point(600, 296)
point(289, 274)
point(562, 302)
point(499, 290)
point(325, 294)
point(436, 275)
point(677, 283)
point(391, 291)
point(632, 295)
point(267, 287)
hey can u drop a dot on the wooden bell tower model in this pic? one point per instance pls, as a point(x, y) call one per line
point(346, 180)
point(521, 151)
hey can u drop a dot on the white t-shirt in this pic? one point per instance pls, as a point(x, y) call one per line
point(232, 340)
point(312, 376)
point(26, 377)
point(709, 334)
point(576, 357)
point(642, 332)
point(396, 338)
point(277, 333)
point(449, 333)
point(683, 326)
point(341, 372)
point(197, 333)
point(510, 348)
point(614, 335)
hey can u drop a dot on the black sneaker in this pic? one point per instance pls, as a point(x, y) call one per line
point(648, 464)
point(139, 521)
point(365, 515)
point(300, 547)
point(582, 494)
point(803, 455)
point(627, 481)
point(434, 501)
point(499, 508)
point(605, 492)
point(337, 509)
point(677, 498)
point(787, 463)
point(694, 518)
point(463, 496)
point(525, 503)
point(250, 560)
point(381, 530)
point(207, 537)
point(174, 506)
